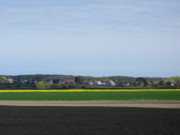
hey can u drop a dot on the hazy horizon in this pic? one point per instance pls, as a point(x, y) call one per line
point(90, 75)
point(94, 38)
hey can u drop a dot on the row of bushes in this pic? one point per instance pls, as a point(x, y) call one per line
point(33, 86)
point(17, 86)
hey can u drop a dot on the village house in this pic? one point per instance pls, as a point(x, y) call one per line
point(90, 82)
point(19, 81)
point(110, 83)
point(125, 83)
point(135, 83)
point(169, 82)
point(155, 83)
point(49, 81)
point(70, 81)
point(86, 82)
point(10, 80)
point(32, 82)
point(35, 81)
point(56, 81)
point(141, 84)
point(25, 81)
point(98, 83)
point(138, 83)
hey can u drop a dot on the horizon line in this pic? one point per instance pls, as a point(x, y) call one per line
point(90, 75)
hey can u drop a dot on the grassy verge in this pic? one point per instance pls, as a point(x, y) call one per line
point(108, 95)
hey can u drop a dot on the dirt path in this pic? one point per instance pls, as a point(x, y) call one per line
point(99, 103)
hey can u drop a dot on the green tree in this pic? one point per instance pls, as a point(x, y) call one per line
point(119, 82)
point(131, 82)
point(48, 85)
point(3, 79)
point(77, 80)
point(104, 79)
point(43, 85)
point(142, 80)
point(161, 82)
point(176, 80)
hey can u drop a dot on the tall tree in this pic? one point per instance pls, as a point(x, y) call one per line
point(161, 82)
point(3, 79)
point(77, 80)
point(142, 80)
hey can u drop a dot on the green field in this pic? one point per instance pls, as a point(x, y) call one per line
point(147, 95)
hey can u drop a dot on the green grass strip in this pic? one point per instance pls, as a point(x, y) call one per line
point(151, 95)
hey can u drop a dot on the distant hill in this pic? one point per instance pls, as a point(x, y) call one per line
point(45, 77)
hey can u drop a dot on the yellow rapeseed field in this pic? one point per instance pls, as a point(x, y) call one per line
point(90, 90)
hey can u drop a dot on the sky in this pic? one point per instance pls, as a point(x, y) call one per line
point(90, 37)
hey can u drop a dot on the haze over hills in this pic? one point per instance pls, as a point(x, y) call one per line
point(64, 77)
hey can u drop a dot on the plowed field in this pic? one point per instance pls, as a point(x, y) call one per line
point(88, 121)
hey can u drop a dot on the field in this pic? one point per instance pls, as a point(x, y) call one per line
point(88, 121)
point(50, 119)
point(80, 94)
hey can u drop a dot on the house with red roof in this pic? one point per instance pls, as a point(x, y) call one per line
point(10, 80)
point(70, 81)
point(97, 83)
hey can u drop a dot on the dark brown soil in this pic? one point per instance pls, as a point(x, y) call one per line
point(88, 121)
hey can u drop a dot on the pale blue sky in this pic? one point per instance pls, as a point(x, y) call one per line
point(90, 37)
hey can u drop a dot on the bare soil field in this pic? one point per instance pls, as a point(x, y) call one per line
point(59, 120)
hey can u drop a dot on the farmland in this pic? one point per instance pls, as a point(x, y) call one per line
point(24, 117)
point(80, 94)
point(33, 120)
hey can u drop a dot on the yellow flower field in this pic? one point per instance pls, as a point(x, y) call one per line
point(90, 90)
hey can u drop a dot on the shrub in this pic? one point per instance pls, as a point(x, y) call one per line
point(43, 86)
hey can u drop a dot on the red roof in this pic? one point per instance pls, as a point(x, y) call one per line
point(10, 80)
point(97, 81)
point(70, 80)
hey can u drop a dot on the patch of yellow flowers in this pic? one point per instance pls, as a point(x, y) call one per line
point(90, 90)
